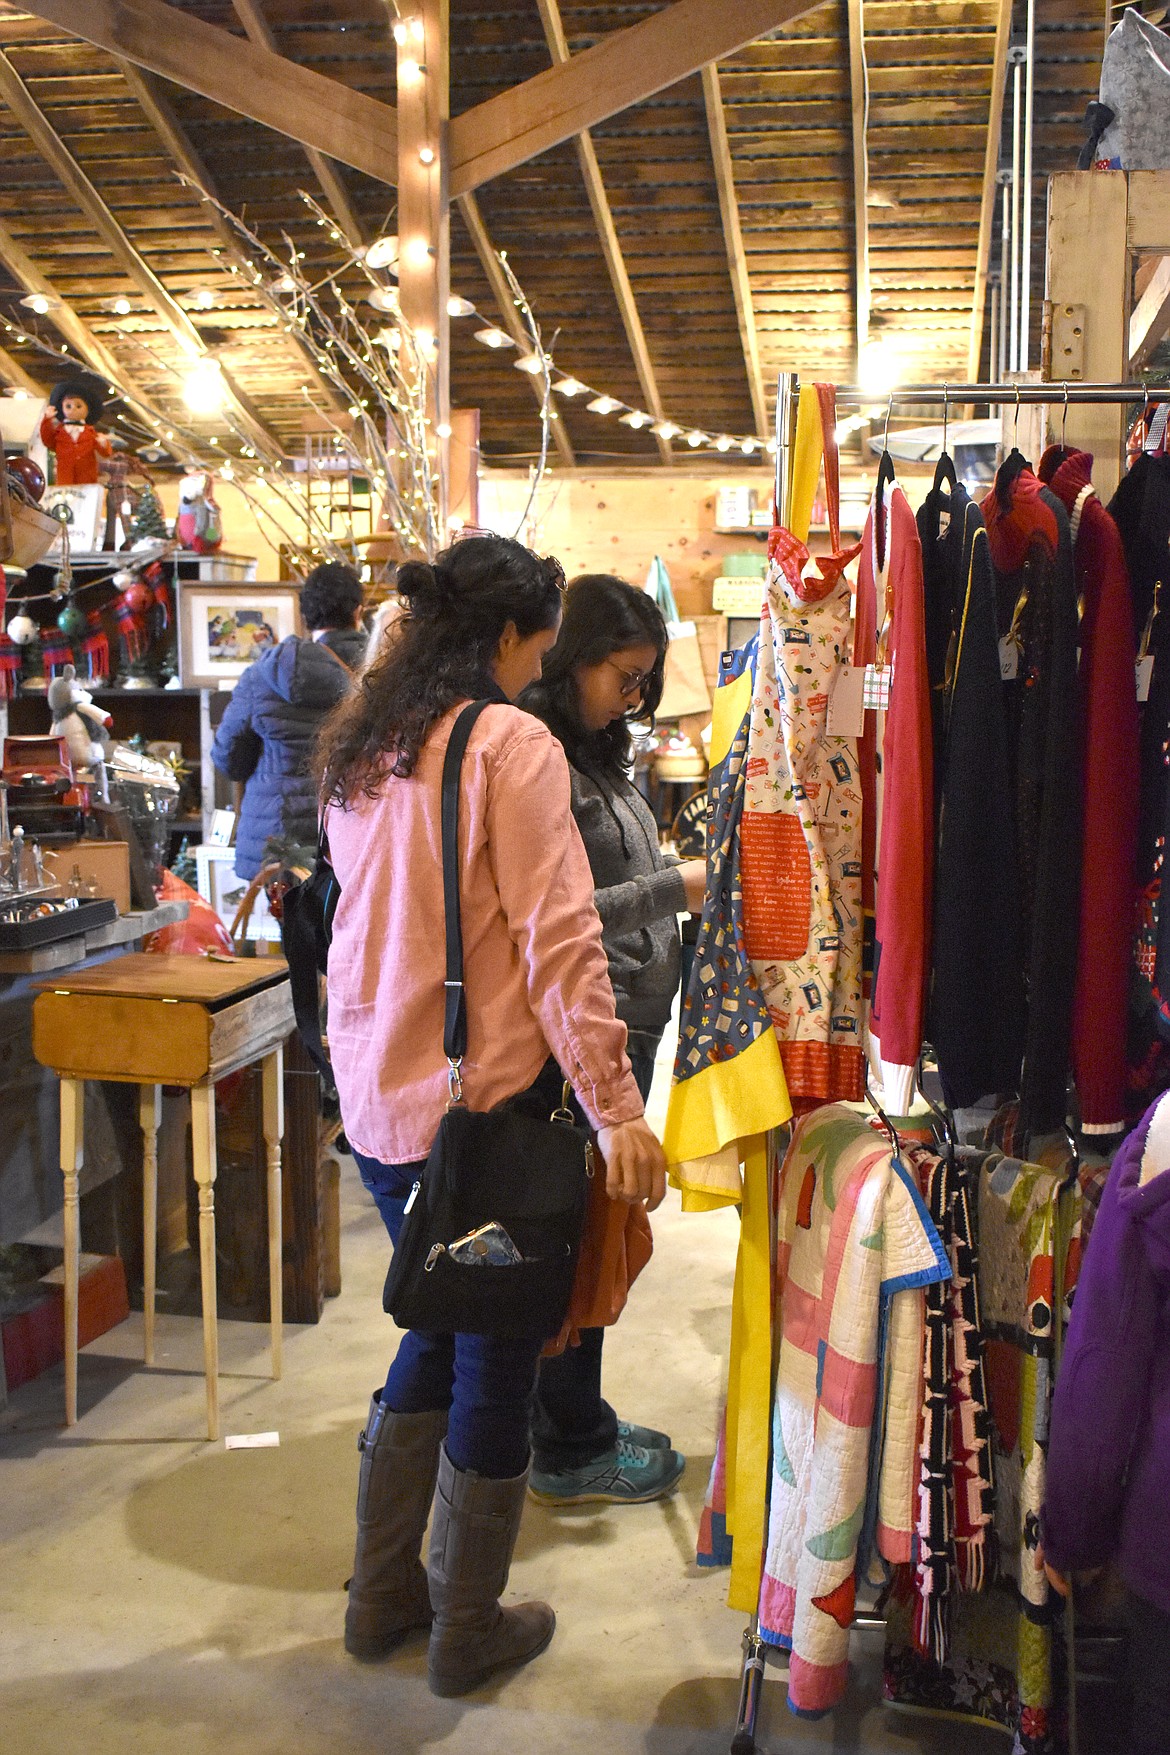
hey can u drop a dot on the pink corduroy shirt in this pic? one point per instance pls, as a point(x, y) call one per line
point(534, 968)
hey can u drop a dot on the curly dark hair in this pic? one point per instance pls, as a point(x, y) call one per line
point(330, 596)
point(437, 653)
point(603, 615)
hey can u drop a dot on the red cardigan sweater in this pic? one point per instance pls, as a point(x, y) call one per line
point(1110, 791)
point(890, 581)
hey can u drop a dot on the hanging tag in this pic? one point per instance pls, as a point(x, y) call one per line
point(1145, 676)
point(1009, 659)
point(876, 693)
point(846, 715)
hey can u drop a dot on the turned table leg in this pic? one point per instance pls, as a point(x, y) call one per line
point(273, 1105)
point(150, 1119)
point(72, 1153)
point(203, 1153)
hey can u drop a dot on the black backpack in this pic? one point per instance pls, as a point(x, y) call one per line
point(306, 932)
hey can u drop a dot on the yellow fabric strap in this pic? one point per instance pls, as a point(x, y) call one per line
point(729, 708)
point(749, 1390)
point(725, 1103)
point(804, 469)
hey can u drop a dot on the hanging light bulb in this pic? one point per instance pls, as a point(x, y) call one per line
point(723, 442)
point(494, 338)
point(39, 303)
point(203, 387)
point(123, 307)
point(426, 155)
point(427, 344)
point(530, 363)
point(382, 252)
point(457, 307)
point(877, 368)
point(748, 447)
point(409, 72)
point(695, 438)
point(636, 419)
point(418, 252)
point(385, 298)
point(400, 31)
point(443, 431)
point(602, 405)
point(666, 429)
point(204, 299)
point(570, 387)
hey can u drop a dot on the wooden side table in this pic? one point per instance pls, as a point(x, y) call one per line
point(167, 1020)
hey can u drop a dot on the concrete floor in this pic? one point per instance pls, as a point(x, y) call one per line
point(159, 1593)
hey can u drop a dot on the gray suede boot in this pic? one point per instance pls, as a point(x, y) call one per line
point(472, 1538)
point(388, 1595)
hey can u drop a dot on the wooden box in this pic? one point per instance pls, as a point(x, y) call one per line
point(107, 863)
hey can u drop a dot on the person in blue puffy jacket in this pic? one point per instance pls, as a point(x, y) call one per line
point(266, 736)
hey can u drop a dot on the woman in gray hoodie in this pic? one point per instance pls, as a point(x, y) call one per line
point(604, 673)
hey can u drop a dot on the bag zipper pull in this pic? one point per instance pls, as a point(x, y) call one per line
point(412, 1196)
point(590, 1159)
point(437, 1249)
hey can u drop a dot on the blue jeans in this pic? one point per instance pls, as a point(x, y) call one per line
point(572, 1423)
point(485, 1383)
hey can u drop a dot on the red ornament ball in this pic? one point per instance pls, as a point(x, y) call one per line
point(29, 474)
point(138, 598)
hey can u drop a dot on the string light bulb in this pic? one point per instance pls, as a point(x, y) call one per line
point(204, 299)
point(495, 338)
point(409, 72)
point(695, 438)
point(443, 431)
point(666, 429)
point(457, 307)
point(418, 252)
point(123, 307)
point(636, 419)
point(570, 387)
point(602, 405)
point(426, 155)
point(530, 363)
point(203, 388)
point(39, 303)
point(723, 443)
point(748, 447)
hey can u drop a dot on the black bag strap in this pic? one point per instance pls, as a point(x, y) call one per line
point(455, 1010)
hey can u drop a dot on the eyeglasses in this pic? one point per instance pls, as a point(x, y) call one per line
point(633, 681)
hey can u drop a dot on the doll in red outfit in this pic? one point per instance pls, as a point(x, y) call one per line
point(68, 430)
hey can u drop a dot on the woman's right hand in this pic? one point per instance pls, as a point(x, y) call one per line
point(694, 877)
point(635, 1165)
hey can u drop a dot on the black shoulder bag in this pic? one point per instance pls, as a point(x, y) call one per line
point(493, 1225)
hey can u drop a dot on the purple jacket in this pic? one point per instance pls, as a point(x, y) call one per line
point(1108, 1493)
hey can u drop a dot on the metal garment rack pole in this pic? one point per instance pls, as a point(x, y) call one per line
point(1053, 390)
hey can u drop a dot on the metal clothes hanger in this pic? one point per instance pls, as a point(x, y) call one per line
point(1064, 419)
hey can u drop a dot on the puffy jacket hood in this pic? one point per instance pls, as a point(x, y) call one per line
point(302, 672)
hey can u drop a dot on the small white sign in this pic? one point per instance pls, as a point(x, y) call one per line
point(252, 1441)
point(1009, 659)
point(740, 597)
point(846, 715)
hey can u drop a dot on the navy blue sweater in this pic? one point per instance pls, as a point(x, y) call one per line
point(266, 738)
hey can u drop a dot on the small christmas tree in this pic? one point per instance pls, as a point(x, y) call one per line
point(148, 523)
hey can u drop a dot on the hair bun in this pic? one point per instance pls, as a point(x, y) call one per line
point(424, 586)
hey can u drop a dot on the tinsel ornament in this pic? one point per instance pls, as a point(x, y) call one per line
point(95, 647)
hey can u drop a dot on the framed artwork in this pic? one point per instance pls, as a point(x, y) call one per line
point(222, 628)
point(81, 510)
point(218, 884)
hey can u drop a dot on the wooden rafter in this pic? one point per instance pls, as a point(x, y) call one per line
point(615, 262)
point(259, 32)
point(1003, 31)
point(623, 69)
point(81, 338)
point(156, 107)
point(506, 305)
point(733, 240)
point(65, 167)
point(17, 378)
point(1150, 318)
point(859, 107)
point(230, 71)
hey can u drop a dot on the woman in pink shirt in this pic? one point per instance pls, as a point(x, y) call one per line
point(451, 1422)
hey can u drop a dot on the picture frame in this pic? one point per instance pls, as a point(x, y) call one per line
point(218, 884)
point(85, 506)
point(222, 628)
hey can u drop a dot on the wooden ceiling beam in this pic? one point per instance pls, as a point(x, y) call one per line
point(859, 106)
point(506, 305)
point(259, 32)
point(1003, 31)
point(16, 377)
point(622, 70)
point(65, 167)
point(1150, 318)
point(615, 262)
point(733, 239)
point(230, 71)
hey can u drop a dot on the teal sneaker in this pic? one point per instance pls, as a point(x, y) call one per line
point(645, 1436)
point(629, 1474)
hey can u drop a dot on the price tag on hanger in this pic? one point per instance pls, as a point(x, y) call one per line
point(1009, 659)
point(846, 715)
point(1145, 676)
